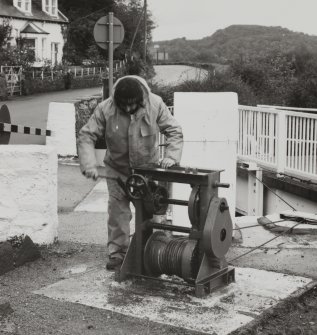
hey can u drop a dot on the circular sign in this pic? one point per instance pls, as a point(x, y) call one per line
point(101, 32)
point(5, 118)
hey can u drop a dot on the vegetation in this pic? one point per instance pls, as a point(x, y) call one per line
point(237, 41)
point(265, 65)
point(83, 16)
point(13, 56)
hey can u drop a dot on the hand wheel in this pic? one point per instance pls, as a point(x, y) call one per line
point(137, 187)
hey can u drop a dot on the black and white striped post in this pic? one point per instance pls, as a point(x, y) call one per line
point(7, 128)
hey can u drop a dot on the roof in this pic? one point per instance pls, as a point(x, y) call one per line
point(32, 28)
point(8, 10)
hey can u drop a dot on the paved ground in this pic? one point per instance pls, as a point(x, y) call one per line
point(69, 291)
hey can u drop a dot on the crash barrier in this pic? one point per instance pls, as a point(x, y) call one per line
point(28, 183)
point(14, 133)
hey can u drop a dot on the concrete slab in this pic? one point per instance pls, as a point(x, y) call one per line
point(253, 237)
point(220, 313)
point(305, 228)
point(96, 200)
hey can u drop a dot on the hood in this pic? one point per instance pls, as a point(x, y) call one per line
point(144, 85)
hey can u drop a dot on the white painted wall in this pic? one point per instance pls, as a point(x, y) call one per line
point(28, 192)
point(210, 127)
point(61, 120)
point(54, 36)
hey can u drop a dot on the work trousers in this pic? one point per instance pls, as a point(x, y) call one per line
point(119, 216)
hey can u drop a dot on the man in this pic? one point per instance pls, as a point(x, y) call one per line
point(129, 121)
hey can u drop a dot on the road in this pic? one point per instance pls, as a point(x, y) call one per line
point(175, 74)
point(32, 110)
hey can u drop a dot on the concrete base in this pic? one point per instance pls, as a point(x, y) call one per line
point(220, 313)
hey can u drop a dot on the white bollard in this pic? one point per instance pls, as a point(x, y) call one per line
point(210, 127)
point(61, 120)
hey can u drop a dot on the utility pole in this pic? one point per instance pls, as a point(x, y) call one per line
point(145, 29)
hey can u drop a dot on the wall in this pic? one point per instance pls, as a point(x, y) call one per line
point(28, 192)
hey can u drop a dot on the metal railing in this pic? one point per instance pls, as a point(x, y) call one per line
point(282, 140)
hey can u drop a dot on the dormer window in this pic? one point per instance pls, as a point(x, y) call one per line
point(50, 7)
point(23, 5)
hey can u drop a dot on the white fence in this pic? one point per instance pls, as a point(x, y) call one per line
point(282, 140)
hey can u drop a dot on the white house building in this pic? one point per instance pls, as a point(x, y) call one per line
point(40, 24)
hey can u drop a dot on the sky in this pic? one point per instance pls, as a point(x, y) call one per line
point(195, 19)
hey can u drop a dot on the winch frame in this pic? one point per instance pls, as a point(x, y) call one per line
point(213, 271)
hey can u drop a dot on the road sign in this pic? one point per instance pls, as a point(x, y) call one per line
point(102, 32)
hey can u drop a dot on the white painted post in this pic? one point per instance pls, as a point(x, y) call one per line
point(52, 75)
point(281, 141)
point(210, 142)
point(82, 72)
point(94, 70)
point(42, 75)
point(75, 72)
point(255, 190)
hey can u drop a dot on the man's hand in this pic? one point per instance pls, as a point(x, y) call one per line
point(91, 173)
point(167, 162)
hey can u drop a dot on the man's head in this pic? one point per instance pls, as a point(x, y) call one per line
point(128, 95)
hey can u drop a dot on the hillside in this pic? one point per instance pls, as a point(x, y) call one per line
point(237, 41)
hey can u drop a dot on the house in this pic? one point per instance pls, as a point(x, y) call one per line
point(39, 24)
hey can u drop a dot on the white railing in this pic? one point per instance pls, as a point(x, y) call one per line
point(282, 140)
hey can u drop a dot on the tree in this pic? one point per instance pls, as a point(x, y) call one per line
point(5, 33)
point(83, 16)
point(13, 56)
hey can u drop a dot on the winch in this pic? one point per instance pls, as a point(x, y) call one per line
point(198, 254)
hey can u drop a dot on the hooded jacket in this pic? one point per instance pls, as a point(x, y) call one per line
point(132, 140)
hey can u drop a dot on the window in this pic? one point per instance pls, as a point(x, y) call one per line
point(27, 5)
point(54, 7)
point(29, 44)
point(54, 51)
point(50, 7)
point(47, 6)
point(24, 5)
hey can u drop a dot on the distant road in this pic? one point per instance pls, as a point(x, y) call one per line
point(175, 74)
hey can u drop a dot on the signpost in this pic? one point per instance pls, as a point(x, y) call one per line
point(108, 34)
